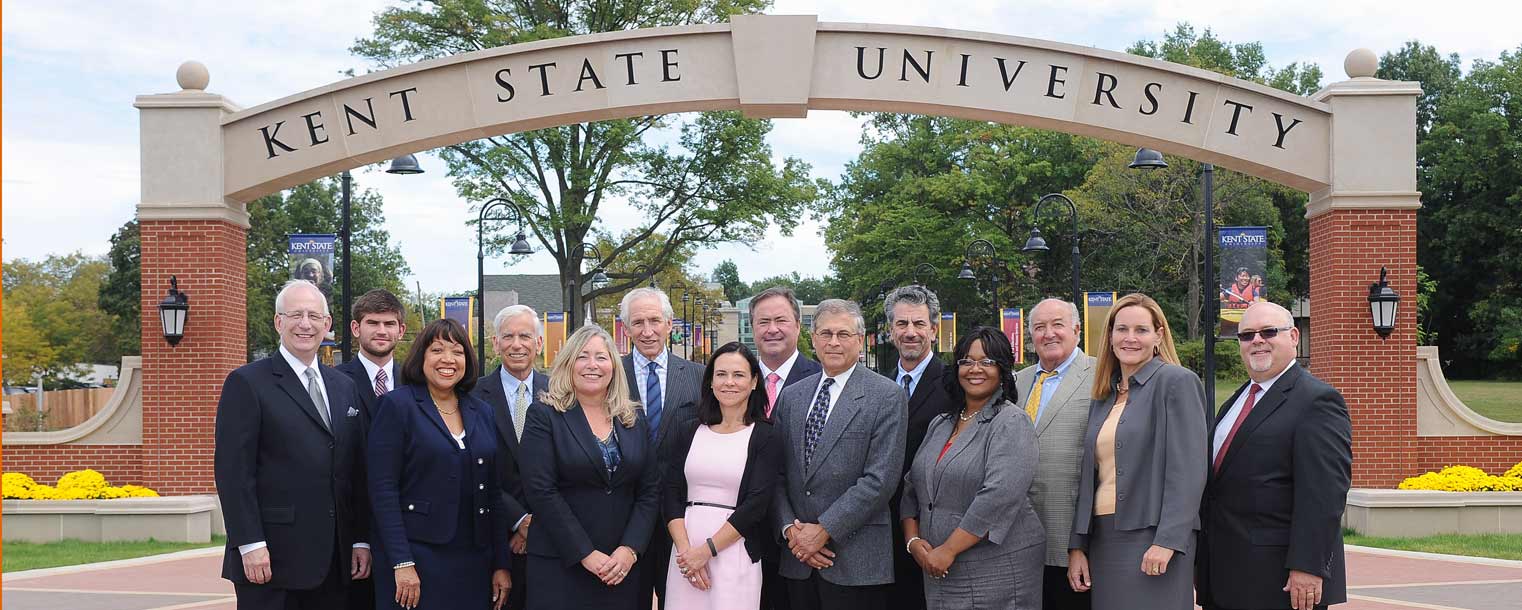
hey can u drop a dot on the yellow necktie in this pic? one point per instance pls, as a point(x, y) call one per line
point(1034, 402)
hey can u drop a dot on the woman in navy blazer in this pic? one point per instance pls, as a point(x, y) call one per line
point(442, 526)
point(593, 478)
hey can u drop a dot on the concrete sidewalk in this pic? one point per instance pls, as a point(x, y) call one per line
point(1378, 580)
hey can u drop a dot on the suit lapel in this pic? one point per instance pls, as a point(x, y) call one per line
point(1065, 390)
point(491, 389)
point(424, 402)
point(291, 383)
point(632, 378)
point(1274, 398)
point(576, 420)
point(338, 404)
point(926, 385)
point(852, 397)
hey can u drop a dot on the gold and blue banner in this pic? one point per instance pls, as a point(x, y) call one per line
point(1096, 313)
point(462, 310)
point(1244, 264)
point(1010, 321)
point(948, 334)
point(554, 335)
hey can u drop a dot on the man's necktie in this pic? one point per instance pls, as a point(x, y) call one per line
point(380, 382)
point(1252, 396)
point(315, 391)
point(520, 409)
point(771, 393)
point(1033, 404)
point(653, 400)
point(814, 425)
point(906, 380)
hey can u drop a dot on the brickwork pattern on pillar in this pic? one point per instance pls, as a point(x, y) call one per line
point(1376, 376)
point(1493, 454)
point(120, 464)
point(181, 384)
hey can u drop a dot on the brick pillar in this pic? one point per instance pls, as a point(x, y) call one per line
point(190, 231)
point(1364, 220)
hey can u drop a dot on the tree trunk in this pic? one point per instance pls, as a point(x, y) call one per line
point(1195, 305)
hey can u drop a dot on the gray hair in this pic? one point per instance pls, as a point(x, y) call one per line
point(645, 293)
point(913, 294)
point(292, 285)
point(511, 311)
point(778, 291)
point(839, 307)
point(1071, 309)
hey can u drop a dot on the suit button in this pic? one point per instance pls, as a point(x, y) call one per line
point(808, 493)
point(1119, 444)
point(480, 461)
point(1118, 471)
point(481, 486)
point(330, 445)
point(1122, 420)
point(1120, 496)
point(609, 491)
point(332, 513)
point(410, 507)
point(481, 511)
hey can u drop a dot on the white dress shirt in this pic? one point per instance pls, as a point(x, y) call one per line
point(914, 375)
point(781, 371)
point(1229, 418)
point(372, 368)
point(642, 374)
point(840, 382)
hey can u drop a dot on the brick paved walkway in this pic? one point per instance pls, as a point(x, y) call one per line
point(1378, 580)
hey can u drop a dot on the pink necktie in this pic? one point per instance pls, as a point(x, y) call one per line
point(771, 392)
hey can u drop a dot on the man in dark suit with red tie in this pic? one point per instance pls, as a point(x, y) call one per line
point(378, 321)
point(1281, 465)
point(518, 339)
point(289, 469)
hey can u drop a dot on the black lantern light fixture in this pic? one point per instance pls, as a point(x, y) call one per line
point(493, 210)
point(174, 309)
point(1036, 243)
point(1383, 302)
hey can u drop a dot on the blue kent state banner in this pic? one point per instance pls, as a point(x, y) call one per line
point(1244, 263)
point(460, 310)
point(311, 259)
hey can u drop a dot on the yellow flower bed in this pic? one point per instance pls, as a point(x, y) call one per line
point(1466, 478)
point(78, 485)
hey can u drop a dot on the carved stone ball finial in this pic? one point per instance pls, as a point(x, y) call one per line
point(1361, 63)
point(193, 76)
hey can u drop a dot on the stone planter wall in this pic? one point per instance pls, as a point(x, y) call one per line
point(1415, 513)
point(167, 519)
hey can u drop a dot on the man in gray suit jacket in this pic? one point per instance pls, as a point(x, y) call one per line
point(843, 441)
point(1061, 406)
point(668, 387)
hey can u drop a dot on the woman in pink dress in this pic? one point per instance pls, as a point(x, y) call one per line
point(721, 474)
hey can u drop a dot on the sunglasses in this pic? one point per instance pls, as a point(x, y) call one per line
point(1268, 333)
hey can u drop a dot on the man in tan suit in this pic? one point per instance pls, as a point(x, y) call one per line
point(1055, 393)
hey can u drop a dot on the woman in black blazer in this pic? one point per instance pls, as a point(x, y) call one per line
point(720, 496)
point(442, 525)
point(593, 479)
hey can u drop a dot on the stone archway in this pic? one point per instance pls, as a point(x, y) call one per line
point(1352, 146)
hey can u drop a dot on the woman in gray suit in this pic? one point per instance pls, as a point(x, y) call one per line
point(1143, 471)
point(966, 509)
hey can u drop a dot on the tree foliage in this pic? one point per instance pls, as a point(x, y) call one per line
point(314, 207)
point(52, 321)
point(717, 184)
point(727, 274)
point(121, 292)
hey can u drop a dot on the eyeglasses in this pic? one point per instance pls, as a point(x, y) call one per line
point(986, 363)
point(827, 336)
point(297, 316)
point(1268, 333)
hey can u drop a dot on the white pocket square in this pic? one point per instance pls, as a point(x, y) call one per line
point(353, 412)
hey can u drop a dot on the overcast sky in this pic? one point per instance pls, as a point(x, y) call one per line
point(71, 70)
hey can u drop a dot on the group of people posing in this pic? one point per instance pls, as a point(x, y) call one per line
point(765, 479)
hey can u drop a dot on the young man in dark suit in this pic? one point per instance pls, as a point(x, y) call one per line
point(1282, 459)
point(289, 469)
point(913, 313)
point(668, 386)
point(378, 321)
point(510, 389)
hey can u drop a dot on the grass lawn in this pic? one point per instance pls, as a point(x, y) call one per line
point(1498, 400)
point(30, 556)
point(1498, 546)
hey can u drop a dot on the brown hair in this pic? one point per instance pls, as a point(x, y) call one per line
point(1107, 369)
point(375, 302)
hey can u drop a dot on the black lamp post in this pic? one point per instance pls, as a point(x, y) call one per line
point(403, 165)
point(702, 318)
point(1383, 303)
point(1147, 159)
point(1036, 243)
point(520, 247)
point(173, 311)
point(923, 268)
point(599, 279)
point(993, 275)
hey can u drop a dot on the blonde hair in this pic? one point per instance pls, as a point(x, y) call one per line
point(1108, 365)
point(562, 395)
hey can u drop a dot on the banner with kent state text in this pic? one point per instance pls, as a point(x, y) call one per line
point(1096, 314)
point(948, 334)
point(1010, 321)
point(1244, 264)
point(554, 335)
point(462, 310)
point(311, 257)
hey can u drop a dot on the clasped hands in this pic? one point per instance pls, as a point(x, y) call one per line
point(806, 541)
point(935, 561)
point(610, 569)
point(692, 563)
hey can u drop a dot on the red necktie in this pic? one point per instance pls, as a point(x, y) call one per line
point(1252, 395)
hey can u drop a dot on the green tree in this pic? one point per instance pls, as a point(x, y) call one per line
point(718, 184)
point(121, 292)
point(727, 274)
point(1246, 61)
point(51, 310)
point(1470, 175)
point(314, 207)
